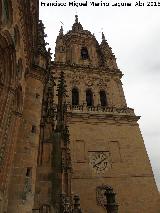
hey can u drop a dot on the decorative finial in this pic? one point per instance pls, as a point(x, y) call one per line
point(103, 37)
point(77, 25)
point(76, 18)
point(61, 31)
point(49, 52)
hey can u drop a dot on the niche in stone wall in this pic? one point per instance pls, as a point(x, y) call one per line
point(33, 129)
point(29, 172)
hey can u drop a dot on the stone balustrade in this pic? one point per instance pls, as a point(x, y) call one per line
point(100, 109)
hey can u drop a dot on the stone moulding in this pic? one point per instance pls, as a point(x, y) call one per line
point(90, 68)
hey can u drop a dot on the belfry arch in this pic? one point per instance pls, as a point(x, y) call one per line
point(75, 96)
point(89, 97)
point(103, 98)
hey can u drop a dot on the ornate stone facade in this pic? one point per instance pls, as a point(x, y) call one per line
point(23, 63)
point(83, 141)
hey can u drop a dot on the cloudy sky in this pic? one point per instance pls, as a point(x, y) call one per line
point(134, 35)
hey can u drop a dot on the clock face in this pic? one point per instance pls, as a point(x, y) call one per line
point(100, 161)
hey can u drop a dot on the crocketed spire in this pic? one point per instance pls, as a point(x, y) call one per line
point(41, 38)
point(103, 37)
point(61, 31)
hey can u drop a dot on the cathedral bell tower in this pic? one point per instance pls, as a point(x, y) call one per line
point(107, 148)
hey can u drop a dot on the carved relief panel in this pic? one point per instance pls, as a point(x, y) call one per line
point(100, 161)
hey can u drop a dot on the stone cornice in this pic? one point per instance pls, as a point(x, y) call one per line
point(118, 118)
point(93, 69)
point(110, 175)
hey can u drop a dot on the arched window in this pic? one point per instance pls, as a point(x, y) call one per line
point(103, 98)
point(89, 97)
point(84, 53)
point(75, 96)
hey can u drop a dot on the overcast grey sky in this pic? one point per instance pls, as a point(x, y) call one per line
point(134, 35)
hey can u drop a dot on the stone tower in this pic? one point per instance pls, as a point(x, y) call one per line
point(83, 141)
point(107, 148)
